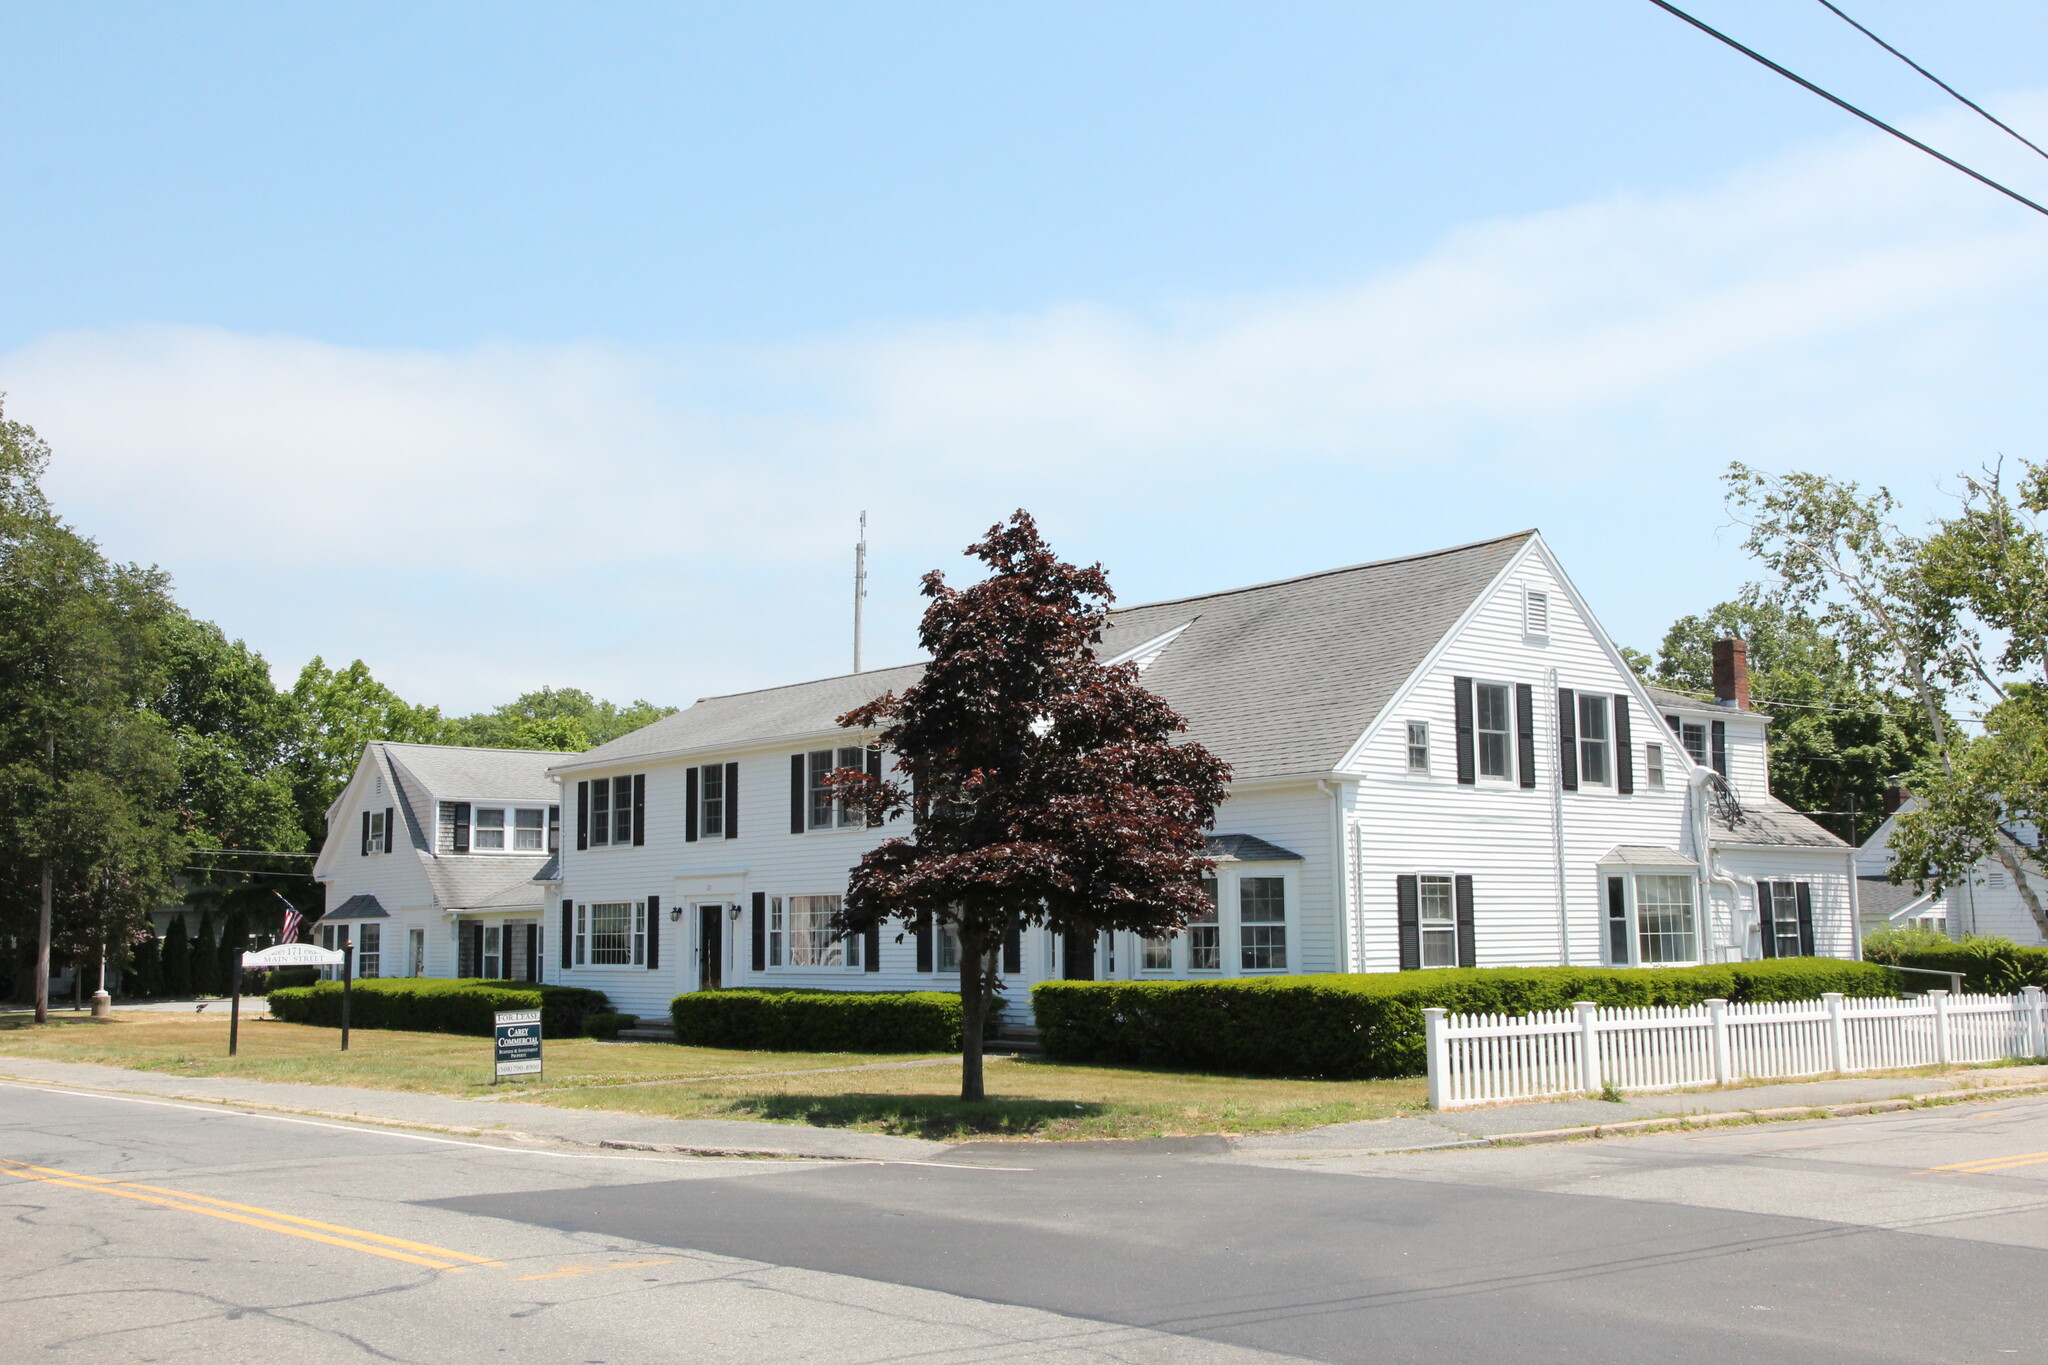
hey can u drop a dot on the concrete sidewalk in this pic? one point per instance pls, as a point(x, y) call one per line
point(483, 1118)
point(1472, 1127)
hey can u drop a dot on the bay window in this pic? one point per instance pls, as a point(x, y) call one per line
point(1262, 923)
point(1665, 928)
point(1205, 935)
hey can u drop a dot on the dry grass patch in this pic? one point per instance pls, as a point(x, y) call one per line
point(1029, 1098)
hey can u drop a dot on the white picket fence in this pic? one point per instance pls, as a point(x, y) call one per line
point(1486, 1058)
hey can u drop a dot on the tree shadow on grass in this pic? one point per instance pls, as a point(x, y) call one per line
point(925, 1116)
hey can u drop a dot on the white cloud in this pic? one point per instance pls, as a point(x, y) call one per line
point(675, 524)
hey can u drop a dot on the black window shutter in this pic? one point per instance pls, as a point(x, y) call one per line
point(1763, 919)
point(1567, 739)
point(1461, 706)
point(1525, 732)
point(653, 932)
point(1720, 749)
point(796, 793)
point(1013, 950)
point(583, 815)
point(366, 834)
point(460, 839)
point(1624, 751)
point(921, 930)
point(732, 800)
point(760, 931)
point(639, 808)
point(568, 934)
point(1408, 914)
point(875, 773)
point(1804, 894)
point(1677, 726)
point(690, 799)
point(871, 951)
point(390, 830)
point(1468, 953)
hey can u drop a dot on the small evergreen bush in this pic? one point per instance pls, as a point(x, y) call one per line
point(823, 1021)
point(1359, 1026)
point(433, 1005)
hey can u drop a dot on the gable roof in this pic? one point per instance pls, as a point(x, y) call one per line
point(452, 771)
point(1277, 679)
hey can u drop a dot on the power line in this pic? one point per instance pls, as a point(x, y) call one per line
point(246, 872)
point(256, 852)
point(1836, 100)
point(1930, 76)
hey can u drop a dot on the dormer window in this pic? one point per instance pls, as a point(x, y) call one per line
point(470, 827)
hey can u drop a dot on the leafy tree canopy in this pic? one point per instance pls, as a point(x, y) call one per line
point(564, 718)
point(1044, 787)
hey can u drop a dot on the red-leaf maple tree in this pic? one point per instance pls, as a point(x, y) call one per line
point(1044, 786)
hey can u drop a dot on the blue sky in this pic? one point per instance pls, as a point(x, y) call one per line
point(500, 345)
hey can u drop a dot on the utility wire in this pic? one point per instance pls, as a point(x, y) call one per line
point(1930, 76)
point(245, 872)
point(1841, 103)
point(257, 852)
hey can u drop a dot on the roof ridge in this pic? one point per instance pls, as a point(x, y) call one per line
point(808, 682)
point(468, 748)
point(1326, 573)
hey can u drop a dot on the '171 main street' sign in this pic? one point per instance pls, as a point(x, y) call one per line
point(518, 1043)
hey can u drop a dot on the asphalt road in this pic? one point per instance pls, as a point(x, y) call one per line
point(149, 1230)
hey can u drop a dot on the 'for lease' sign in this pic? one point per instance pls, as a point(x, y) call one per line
point(518, 1043)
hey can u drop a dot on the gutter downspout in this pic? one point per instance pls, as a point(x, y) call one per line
point(1564, 927)
point(1340, 871)
point(1703, 849)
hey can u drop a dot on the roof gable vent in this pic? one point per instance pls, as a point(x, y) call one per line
point(1535, 614)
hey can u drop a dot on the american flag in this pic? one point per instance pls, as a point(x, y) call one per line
point(293, 921)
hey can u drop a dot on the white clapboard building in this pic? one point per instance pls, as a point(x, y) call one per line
point(1438, 760)
point(431, 857)
point(1987, 902)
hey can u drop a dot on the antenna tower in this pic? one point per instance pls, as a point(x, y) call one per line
point(860, 585)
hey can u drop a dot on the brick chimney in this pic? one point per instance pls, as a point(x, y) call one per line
point(1731, 673)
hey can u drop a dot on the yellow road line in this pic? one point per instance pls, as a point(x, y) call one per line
point(269, 1220)
point(571, 1271)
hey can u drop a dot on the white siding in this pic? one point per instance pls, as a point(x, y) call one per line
point(1826, 872)
point(1499, 832)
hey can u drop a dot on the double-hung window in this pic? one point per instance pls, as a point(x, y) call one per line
point(611, 810)
point(380, 838)
point(1156, 954)
point(1653, 765)
point(1262, 923)
point(945, 947)
point(494, 952)
point(1496, 730)
point(813, 941)
point(1692, 735)
point(370, 952)
point(488, 831)
point(1595, 747)
point(826, 809)
point(1418, 746)
point(1665, 931)
point(611, 933)
point(1205, 935)
point(711, 801)
point(1436, 906)
point(416, 952)
point(1780, 904)
point(529, 829)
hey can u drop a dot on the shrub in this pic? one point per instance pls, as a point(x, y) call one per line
point(1988, 964)
point(607, 1024)
point(438, 1006)
point(280, 977)
point(1370, 1025)
point(823, 1021)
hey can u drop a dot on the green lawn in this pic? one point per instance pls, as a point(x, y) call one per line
point(1029, 1098)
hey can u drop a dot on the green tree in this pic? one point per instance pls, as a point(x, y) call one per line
point(567, 719)
point(205, 950)
point(1833, 734)
point(335, 712)
point(88, 842)
point(142, 975)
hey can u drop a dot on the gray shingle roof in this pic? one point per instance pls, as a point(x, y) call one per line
point(551, 871)
point(1877, 898)
point(498, 881)
point(1246, 848)
point(1276, 679)
point(1771, 821)
point(364, 906)
point(451, 772)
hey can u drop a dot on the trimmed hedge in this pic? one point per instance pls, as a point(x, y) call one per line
point(607, 1024)
point(1369, 1025)
point(823, 1021)
point(1991, 965)
point(431, 1005)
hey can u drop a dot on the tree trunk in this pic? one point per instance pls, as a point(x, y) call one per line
point(43, 947)
point(2015, 869)
point(973, 1012)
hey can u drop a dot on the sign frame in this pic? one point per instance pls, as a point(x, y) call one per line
point(515, 1044)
